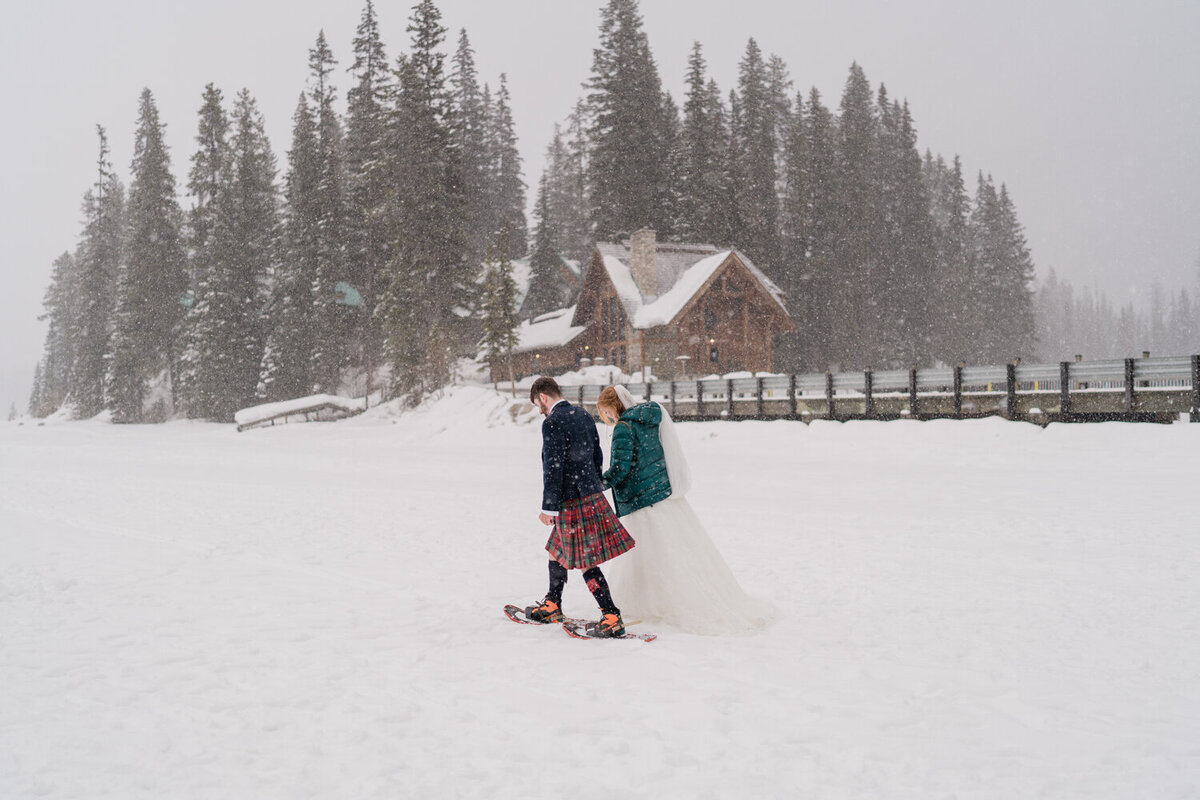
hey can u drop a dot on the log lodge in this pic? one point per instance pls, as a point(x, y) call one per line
point(673, 310)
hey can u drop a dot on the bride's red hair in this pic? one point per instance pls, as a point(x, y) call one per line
point(608, 398)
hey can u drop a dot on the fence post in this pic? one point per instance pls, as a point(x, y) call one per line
point(648, 391)
point(1195, 414)
point(912, 392)
point(868, 386)
point(729, 397)
point(1130, 399)
point(792, 393)
point(581, 395)
point(829, 396)
point(958, 412)
point(759, 387)
point(699, 398)
point(1010, 386)
point(1065, 390)
point(672, 397)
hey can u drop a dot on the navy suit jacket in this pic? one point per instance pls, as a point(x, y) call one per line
point(571, 457)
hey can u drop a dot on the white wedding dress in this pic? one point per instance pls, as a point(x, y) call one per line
point(675, 575)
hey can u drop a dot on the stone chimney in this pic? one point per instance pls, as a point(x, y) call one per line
point(641, 262)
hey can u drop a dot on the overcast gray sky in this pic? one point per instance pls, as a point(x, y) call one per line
point(1089, 111)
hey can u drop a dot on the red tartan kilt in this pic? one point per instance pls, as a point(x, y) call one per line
point(586, 533)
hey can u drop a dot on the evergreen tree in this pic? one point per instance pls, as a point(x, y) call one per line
point(567, 210)
point(1002, 275)
point(1018, 331)
point(730, 220)
point(756, 143)
point(473, 121)
point(146, 336)
point(547, 290)
point(509, 190)
point(795, 213)
point(627, 168)
point(334, 322)
point(569, 188)
point(53, 378)
point(500, 319)
point(702, 150)
point(854, 310)
point(368, 240)
point(200, 374)
point(209, 172)
point(952, 280)
point(287, 369)
point(906, 242)
point(431, 284)
point(97, 264)
point(224, 323)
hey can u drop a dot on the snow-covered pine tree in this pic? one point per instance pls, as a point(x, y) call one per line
point(499, 314)
point(853, 308)
point(334, 321)
point(224, 323)
point(472, 133)
point(569, 196)
point(150, 295)
point(702, 150)
point(547, 290)
point(509, 191)
point(906, 245)
point(627, 163)
point(794, 215)
point(287, 369)
point(92, 290)
point(950, 207)
point(200, 371)
point(757, 197)
point(821, 235)
point(53, 376)
point(730, 221)
point(1018, 326)
point(430, 283)
point(369, 242)
point(1002, 276)
point(670, 130)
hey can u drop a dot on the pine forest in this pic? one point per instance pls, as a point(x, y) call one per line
point(376, 251)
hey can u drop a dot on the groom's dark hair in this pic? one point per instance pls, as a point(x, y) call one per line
point(546, 386)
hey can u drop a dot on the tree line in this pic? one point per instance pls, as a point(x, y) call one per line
point(1085, 322)
point(365, 257)
point(885, 257)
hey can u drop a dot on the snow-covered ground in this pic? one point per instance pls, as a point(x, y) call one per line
point(975, 609)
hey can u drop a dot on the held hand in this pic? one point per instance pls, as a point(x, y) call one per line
point(545, 518)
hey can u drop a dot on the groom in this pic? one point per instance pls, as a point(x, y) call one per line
point(584, 530)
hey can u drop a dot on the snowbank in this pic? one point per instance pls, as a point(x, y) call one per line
point(974, 609)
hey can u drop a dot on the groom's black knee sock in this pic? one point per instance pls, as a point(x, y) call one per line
point(598, 586)
point(558, 579)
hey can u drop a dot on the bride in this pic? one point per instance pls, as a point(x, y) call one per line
point(675, 574)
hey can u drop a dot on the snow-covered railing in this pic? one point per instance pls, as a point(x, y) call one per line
point(1141, 389)
point(314, 408)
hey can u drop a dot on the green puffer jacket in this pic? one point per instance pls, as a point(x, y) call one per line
point(637, 471)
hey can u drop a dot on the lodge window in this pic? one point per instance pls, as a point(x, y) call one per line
point(713, 355)
point(710, 318)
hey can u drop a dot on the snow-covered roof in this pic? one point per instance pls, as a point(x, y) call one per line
point(549, 330)
point(682, 272)
point(249, 416)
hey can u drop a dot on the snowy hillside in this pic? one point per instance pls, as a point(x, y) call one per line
point(975, 609)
